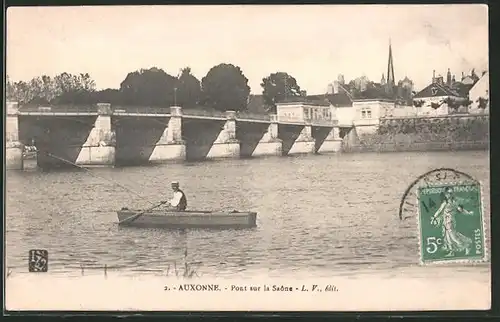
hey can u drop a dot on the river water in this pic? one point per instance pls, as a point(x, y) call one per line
point(316, 214)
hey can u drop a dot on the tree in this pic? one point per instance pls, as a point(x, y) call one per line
point(151, 87)
point(188, 89)
point(109, 95)
point(25, 92)
point(277, 87)
point(9, 88)
point(418, 103)
point(437, 105)
point(225, 88)
point(482, 102)
point(62, 89)
point(74, 89)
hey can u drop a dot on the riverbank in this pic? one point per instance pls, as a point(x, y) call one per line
point(447, 133)
point(412, 146)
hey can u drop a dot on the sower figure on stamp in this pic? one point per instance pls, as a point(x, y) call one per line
point(179, 200)
point(454, 241)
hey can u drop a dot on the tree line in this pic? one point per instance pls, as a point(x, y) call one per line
point(224, 87)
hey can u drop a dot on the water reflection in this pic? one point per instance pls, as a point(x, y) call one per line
point(332, 213)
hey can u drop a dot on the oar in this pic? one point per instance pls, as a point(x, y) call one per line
point(134, 217)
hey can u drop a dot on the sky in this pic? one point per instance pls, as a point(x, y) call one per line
point(313, 43)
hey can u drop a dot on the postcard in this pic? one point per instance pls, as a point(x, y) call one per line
point(247, 158)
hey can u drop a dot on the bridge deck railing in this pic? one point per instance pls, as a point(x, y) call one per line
point(206, 113)
point(146, 110)
point(68, 109)
point(252, 116)
point(324, 122)
point(161, 111)
point(300, 121)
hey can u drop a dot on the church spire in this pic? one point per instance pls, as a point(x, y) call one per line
point(390, 71)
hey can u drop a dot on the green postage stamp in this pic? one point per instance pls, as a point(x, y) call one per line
point(451, 223)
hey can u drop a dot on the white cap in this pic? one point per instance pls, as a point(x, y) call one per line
point(175, 182)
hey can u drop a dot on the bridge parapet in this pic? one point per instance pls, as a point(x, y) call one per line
point(146, 111)
point(253, 116)
point(308, 122)
point(58, 110)
point(324, 122)
point(204, 113)
point(140, 110)
point(106, 109)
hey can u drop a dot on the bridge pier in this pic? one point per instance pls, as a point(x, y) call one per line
point(170, 147)
point(128, 136)
point(99, 148)
point(327, 139)
point(305, 143)
point(270, 144)
point(226, 145)
point(350, 141)
point(14, 148)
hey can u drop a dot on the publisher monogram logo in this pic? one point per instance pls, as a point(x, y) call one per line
point(38, 260)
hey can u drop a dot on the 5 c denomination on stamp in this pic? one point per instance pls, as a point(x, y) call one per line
point(450, 220)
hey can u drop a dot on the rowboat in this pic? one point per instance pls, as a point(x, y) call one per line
point(187, 219)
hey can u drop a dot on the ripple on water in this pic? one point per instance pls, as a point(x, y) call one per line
point(315, 214)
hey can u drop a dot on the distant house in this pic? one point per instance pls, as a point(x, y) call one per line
point(479, 95)
point(431, 100)
point(469, 79)
point(368, 112)
point(340, 98)
point(461, 88)
point(303, 110)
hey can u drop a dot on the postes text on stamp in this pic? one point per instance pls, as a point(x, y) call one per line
point(451, 223)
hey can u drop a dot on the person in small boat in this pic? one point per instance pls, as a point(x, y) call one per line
point(179, 200)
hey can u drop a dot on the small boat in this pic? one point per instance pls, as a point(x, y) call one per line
point(187, 219)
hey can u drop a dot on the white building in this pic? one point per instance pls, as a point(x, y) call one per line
point(344, 114)
point(433, 97)
point(341, 103)
point(304, 111)
point(480, 90)
point(367, 113)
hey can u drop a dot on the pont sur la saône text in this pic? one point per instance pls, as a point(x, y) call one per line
point(251, 288)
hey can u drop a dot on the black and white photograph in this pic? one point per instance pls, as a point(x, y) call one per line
point(247, 158)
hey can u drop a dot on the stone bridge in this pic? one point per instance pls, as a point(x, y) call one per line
point(105, 135)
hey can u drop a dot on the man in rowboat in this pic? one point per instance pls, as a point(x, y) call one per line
point(179, 200)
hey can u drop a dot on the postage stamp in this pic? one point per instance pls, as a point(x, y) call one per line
point(451, 225)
